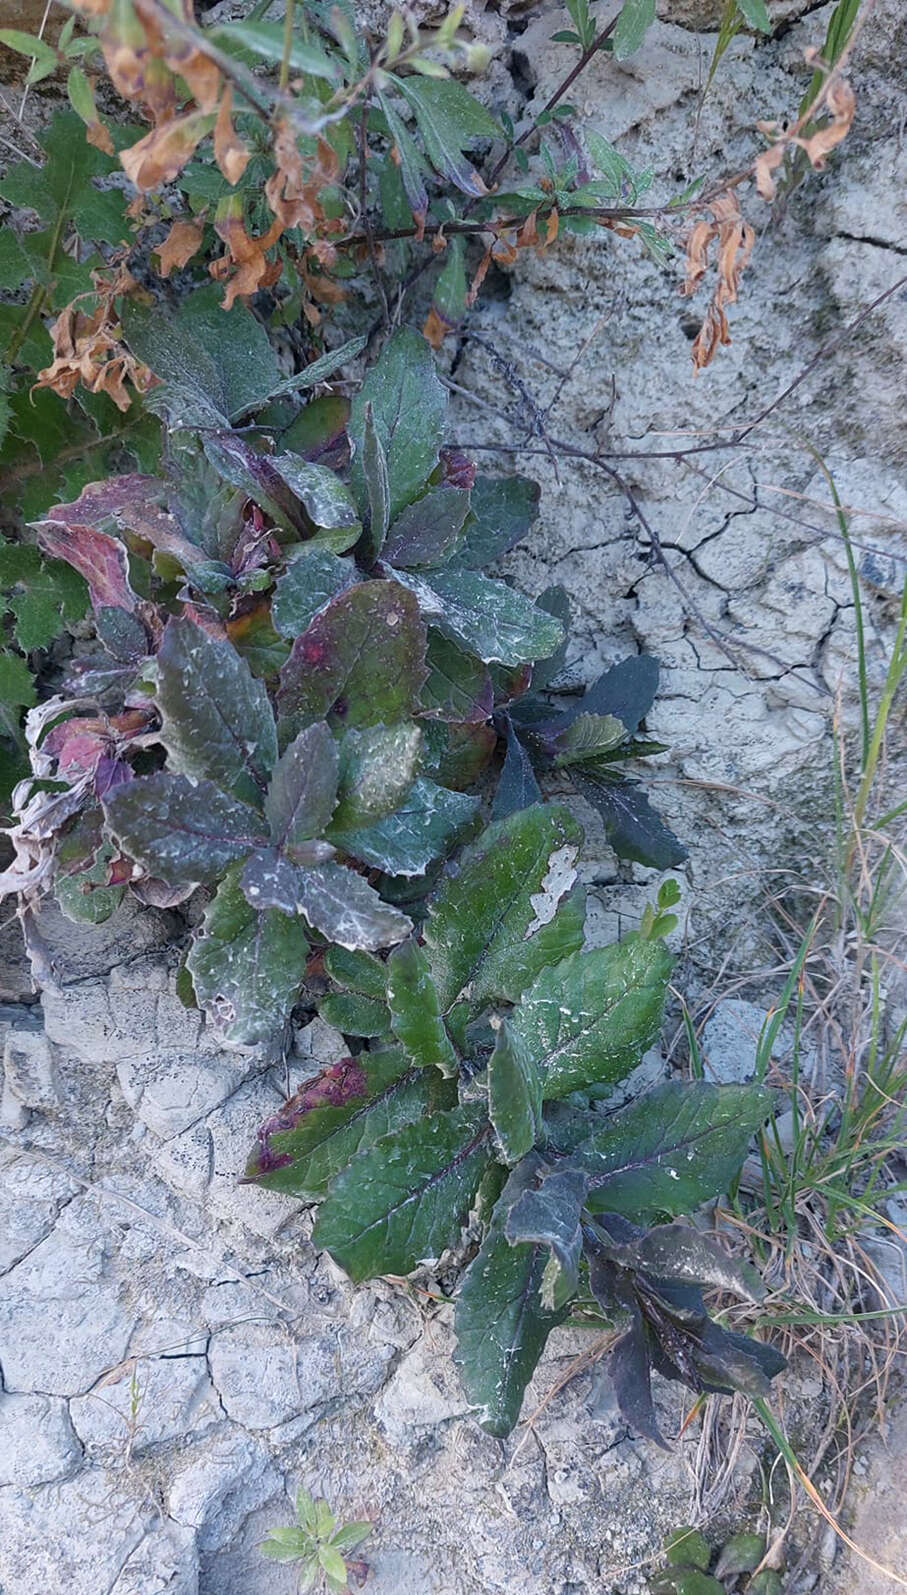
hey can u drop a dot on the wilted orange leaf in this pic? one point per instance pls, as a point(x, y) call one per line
point(230, 152)
point(182, 242)
point(161, 155)
point(247, 254)
point(735, 239)
point(87, 350)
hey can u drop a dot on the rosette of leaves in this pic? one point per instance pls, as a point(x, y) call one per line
point(487, 1035)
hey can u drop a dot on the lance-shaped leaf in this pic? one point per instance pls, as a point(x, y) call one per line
point(458, 687)
point(673, 1149)
point(630, 1370)
point(246, 966)
point(517, 787)
point(632, 826)
point(327, 501)
point(377, 768)
point(345, 909)
point(550, 1214)
point(362, 660)
point(377, 485)
point(179, 830)
point(415, 1016)
point(503, 510)
point(675, 1251)
point(427, 532)
point(500, 1322)
point(487, 617)
point(589, 1019)
point(585, 739)
point(486, 925)
point(303, 790)
point(217, 721)
point(514, 1095)
point(424, 828)
point(412, 166)
point(404, 1201)
point(449, 118)
point(345, 1108)
point(408, 404)
point(312, 578)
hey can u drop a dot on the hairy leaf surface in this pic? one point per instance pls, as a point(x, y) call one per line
point(179, 830)
point(246, 966)
point(217, 721)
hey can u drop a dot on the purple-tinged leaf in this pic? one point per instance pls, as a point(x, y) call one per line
point(343, 907)
point(632, 826)
point(517, 786)
point(377, 485)
point(412, 165)
point(246, 967)
point(675, 1251)
point(101, 559)
point(627, 691)
point(181, 830)
point(217, 721)
point(427, 532)
point(362, 660)
point(554, 601)
point(458, 686)
point(303, 791)
point(628, 1366)
point(327, 501)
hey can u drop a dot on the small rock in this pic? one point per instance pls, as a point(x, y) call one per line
point(320, 1043)
point(37, 1442)
point(28, 1068)
point(424, 1390)
point(730, 1039)
point(220, 1485)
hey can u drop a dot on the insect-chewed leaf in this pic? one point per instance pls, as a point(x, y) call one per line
point(377, 768)
point(312, 578)
point(494, 925)
point(514, 1095)
point(415, 1016)
point(345, 909)
point(549, 1214)
point(489, 618)
point(408, 404)
point(327, 501)
point(517, 788)
point(404, 1200)
point(673, 1149)
point(675, 1251)
point(303, 790)
point(503, 510)
point(449, 118)
point(246, 966)
point(347, 1107)
point(217, 721)
point(500, 1322)
point(427, 532)
point(458, 687)
point(179, 830)
point(424, 828)
point(632, 826)
point(589, 1019)
point(362, 659)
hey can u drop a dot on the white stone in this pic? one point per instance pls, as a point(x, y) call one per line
point(220, 1484)
point(37, 1442)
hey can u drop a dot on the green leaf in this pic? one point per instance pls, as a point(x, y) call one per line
point(264, 41)
point(404, 1201)
point(414, 1013)
point(428, 532)
point(449, 119)
point(501, 1325)
point(312, 578)
point(485, 616)
point(284, 1545)
point(319, 370)
point(514, 1095)
point(636, 17)
point(503, 509)
point(586, 738)
point(458, 686)
point(246, 967)
point(588, 1020)
point(333, 1563)
point(423, 828)
point(408, 405)
point(180, 830)
point(755, 12)
point(486, 928)
point(377, 768)
point(362, 659)
point(377, 483)
point(342, 1111)
point(686, 1546)
point(676, 1147)
point(351, 1535)
point(353, 1015)
point(217, 721)
point(303, 791)
point(41, 594)
point(17, 689)
point(215, 363)
point(357, 971)
point(412, 166)
point(345, 909)
point(63, 191)
point(84, 895)
point(327, 501)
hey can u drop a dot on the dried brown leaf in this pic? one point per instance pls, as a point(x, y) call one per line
point(230, 152)
point(182, 242)
point(160, 156)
